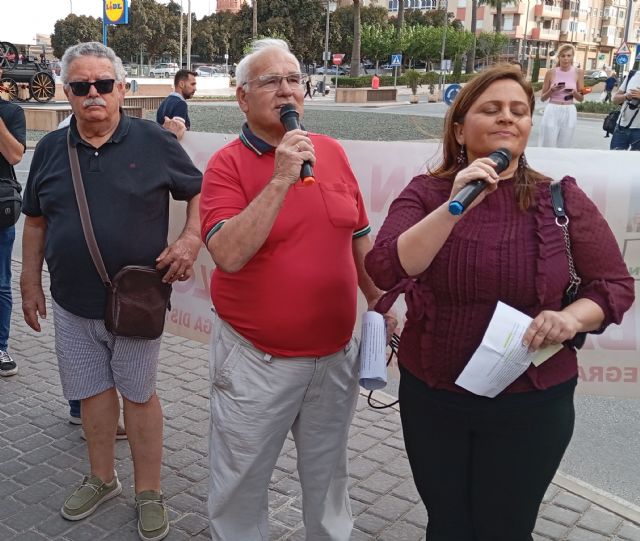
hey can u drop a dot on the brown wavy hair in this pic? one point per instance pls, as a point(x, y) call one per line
point(525, 177)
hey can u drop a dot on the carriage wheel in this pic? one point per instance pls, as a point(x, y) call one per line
point(8, 89)
point(8, 55)
point(42, 87)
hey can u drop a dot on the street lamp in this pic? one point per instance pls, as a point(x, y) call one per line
point(181, 16)
point(189, 35)
point(325, 56)
point(523, 50)
point(71, 6)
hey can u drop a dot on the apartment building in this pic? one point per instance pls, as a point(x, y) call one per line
point(231, 5)
point(595, 27)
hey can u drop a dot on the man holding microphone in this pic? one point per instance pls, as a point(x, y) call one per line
point(289, 260)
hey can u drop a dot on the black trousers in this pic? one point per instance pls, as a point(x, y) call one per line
point(482, 465)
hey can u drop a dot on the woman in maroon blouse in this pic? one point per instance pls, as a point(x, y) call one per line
point(481, 464)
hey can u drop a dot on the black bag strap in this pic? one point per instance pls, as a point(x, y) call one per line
point(562, 221)
point(85, 217)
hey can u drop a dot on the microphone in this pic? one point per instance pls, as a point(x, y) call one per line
point(466, 196)
point(291, 121)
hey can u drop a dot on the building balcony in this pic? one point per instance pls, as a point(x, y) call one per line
point(547, 12)
point(547, 34)
point(508, 9)
point(609, 41)
point(617, 3)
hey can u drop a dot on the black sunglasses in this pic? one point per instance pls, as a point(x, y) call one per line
point(81, 88)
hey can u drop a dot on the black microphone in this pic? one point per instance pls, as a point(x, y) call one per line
point(291, 121)
point(466, 196)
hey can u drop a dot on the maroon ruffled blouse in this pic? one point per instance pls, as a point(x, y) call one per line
point(495, 253)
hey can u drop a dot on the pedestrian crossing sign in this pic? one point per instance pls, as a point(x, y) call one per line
point(396, 60)
point(624, 49)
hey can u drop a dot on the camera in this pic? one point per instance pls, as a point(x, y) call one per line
point(633, 104)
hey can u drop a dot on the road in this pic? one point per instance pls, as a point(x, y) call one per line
point(604, 450)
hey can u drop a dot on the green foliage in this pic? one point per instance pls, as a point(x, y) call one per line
point(490, 44)
point(74, 29)
point(535, 71)
point(412, 79)
point(428, 78)
point(378, 42)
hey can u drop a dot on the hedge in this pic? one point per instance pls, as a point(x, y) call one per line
point(428, 78)
point(596, 107)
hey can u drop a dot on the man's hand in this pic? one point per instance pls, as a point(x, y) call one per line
point(294, 149)
point(175, 125)
point(179, 257)
point(33, 304)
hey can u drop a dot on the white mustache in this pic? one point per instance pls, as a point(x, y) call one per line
point(94, 101)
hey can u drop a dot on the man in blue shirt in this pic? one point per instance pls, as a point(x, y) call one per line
point(608, 86)
point(173, 112)
point(12, 145)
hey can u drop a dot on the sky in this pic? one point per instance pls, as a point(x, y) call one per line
point(27, 18)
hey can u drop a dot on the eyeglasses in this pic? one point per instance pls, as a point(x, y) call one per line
point(81, 88)
point(271, 83)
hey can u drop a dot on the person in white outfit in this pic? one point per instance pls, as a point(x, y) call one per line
point(562, 86)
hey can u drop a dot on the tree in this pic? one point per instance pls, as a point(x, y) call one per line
point(491, 44)
point(74, 29)
point(400, 20)
point(377, 42)
point(355, 52)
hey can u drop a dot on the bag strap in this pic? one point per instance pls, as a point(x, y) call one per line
point(562, 221)
point(85, 217)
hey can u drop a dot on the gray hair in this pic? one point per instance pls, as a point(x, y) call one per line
point(91, 48)
point(259, 46)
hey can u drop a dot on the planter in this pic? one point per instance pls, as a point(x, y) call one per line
point(413, 98)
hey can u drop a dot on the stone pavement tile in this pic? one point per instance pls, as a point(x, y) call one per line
point(600, 521)
point(629, 532)
point(400, 531)
point(390, 508)
point(84, 531)
point(278, 531)
point(560, 515)
point(115, 516)
point(289, 516)
point(417, 516)
point(29, 536)
point(408, 491)
point(578, 534)
point(363, 495)
point(549, 529)
point(192, 523)
point(571, 501)
point(370, 523)
point(380, 482)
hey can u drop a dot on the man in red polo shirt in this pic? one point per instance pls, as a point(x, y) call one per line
point(289, 261)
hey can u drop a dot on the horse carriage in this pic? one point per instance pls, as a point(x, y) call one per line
point(22, 78)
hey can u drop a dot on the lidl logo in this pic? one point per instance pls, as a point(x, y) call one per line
point(115, 11)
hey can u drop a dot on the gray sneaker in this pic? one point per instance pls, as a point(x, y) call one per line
point(89, 495)
point(153, 521)
point(7, 365)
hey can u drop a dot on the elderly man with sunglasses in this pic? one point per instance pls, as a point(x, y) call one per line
point(129, 168)
point(289, 260)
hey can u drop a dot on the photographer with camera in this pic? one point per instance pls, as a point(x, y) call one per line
point(627, 133)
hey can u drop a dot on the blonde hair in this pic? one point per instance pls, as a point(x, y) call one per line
point(566, 47)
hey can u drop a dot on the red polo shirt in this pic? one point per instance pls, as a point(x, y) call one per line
point(297, 296)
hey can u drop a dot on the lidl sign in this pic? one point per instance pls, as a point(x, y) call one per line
point(116, 11)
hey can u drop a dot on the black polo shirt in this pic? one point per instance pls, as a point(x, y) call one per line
point(13, 118)
point(128, 181)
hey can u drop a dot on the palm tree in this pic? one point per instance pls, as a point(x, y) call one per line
point(400, 21)
point(254, 31)
point(355, 52)
point(498, 5)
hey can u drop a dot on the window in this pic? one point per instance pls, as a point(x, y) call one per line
point(507, 24)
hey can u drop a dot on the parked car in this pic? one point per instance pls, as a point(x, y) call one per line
point(332, 70)
point(598, 75)
point(165, 69)
point(207, 71)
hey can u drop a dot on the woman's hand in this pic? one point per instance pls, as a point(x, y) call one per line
point(480, 169)
point(550, 327)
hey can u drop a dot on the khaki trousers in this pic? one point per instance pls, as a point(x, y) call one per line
point(255, 400)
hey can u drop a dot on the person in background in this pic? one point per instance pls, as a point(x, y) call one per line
point(626, 136)
point(609, 85)
point(13, 143)
point(375, 81)
point(469, 452)
point(562, 86)
point(308, 88)
point(289, 260)
point(173, 112)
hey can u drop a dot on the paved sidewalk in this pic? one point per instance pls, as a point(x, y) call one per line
point(42, 457)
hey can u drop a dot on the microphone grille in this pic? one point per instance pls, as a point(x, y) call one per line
point(288, 109)
point(502, 157)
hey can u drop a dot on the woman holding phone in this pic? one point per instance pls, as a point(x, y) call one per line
point(562, 86)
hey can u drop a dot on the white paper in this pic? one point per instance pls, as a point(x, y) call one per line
point(372, 354)
point(501, 357)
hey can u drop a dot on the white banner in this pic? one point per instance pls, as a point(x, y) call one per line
point(609, 363)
